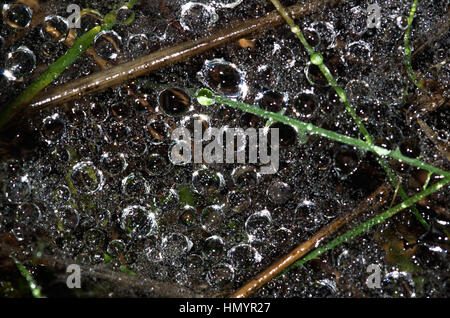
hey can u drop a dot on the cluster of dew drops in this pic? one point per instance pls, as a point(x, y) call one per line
point(104, 182)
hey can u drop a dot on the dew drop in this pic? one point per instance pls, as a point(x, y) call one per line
point(196, 14)
point(174, 101)
point(108, 45)
point(86, 178)
point(224, 78)
point(258, 225)
point(17, 15)
point(55, 28)
point(19, 63)
point(138, 221)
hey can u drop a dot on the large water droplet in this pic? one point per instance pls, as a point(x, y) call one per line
point(108, 45)
point(55, 28)
point(17, 15)
point(87, 178)
point(138, 221)
point(19, 63)
point(196, 14)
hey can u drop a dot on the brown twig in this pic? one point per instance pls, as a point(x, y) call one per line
point(375, 200)
point(143, 65)
point(144, 285)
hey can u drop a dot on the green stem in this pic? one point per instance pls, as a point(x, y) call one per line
point(408, 58)
point(54, 71)
point(364, 227)
point(317, 59)
point(206, 97)
point(35, 288)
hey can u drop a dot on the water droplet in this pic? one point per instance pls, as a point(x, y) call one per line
point(188, 216)
point(113, 163)
point(238, 201)
point(346, 160)
point(138, 44)
point(17, 15)
point(62, 194)
point(28, 214)
point(116, 248)
point(258, 225)
point(360, 50)
point(55, 28)
point(17, 189)
point(175, 245)
point(86, 178)
point(271, 101)
point(243, 256)
point(410, 148)
point(124, 15)
point(358, 20)
point(224, 78)
point(155, 164)
point(174, 101)
point(138, 221)
point(196, 14)
point(304, 104)
point(279, 192)
point(287, 134)
point(326, 33)
point(159, 131)
point(108, 45)
point(213, 247)
point(19, 63)
point(68, 218)
point(53, 128)
point(212, 218)
point(221, 275)
point(135, 186)
point(245, 176)
point(207, 182)
point(94, 239)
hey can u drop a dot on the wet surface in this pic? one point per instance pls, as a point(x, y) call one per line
point(92, 181)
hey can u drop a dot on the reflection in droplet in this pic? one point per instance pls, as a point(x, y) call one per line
point(113, 163)
point(213, 247)
point(55, 28)
point(137, 44)
point(258, 225)
point(68, 218)
point(138, 221)
point(243, 256)
point(17, 189)
point(212, 218)
point(220, 275)
point(28, 214)
point(224, 78)
point(108, 45)
point(125, 15)
point(175, 245)
point(196, 14)
point(238, 201)
point(53, 128)
point(86, 178)
point(207, 182)
point(174, 101)
point(135, 186)
point(19, 63)
point(17, 15)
